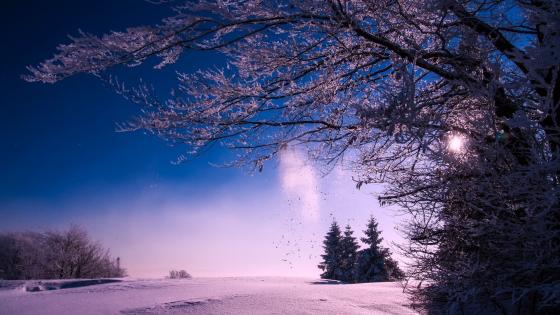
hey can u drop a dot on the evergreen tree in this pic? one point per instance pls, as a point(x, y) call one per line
point(392, 267)
point(331, 264)
point(349, 251)
point(375, 263)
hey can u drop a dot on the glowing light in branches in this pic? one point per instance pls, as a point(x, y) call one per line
point(456, 143)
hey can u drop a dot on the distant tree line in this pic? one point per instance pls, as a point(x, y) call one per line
point(344, 260)
point(55, 255)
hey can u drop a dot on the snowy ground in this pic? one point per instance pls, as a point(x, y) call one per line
point(209, 296)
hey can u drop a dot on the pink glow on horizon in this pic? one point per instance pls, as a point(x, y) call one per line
point(248, 227)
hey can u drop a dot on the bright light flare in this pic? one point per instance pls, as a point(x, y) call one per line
point(456, 143)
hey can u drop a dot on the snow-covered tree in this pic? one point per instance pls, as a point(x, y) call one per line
point(374, 263)
point(348, 252)
point(55, 255)
point(10, 258)
point(453, 103)
point(332, 258)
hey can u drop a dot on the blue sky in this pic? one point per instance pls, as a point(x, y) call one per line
point(63, 136)
point(62, 162)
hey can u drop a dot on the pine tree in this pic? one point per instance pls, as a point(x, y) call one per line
point(375, 263)
point(331, 264)
point(392, 267)
point(348, 251)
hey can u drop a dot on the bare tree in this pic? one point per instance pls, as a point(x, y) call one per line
point(73, 255)
point(55, 255)
point(21, 256)
point(453, 103)
point(9, 258)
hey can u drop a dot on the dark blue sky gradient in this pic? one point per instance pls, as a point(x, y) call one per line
point(56, 140)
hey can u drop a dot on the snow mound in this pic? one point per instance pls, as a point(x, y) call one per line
point(173, 307)
point(326, 281)
point(11, 284)
point(37, 286)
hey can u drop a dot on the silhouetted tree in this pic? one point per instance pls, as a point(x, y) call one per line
point(374, 263)
point(393, 269)
point(348, 252)
point(332, 259)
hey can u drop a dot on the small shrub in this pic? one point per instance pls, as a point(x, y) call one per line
point(179, 274)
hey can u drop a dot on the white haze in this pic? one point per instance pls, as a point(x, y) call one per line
point(299, 183)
